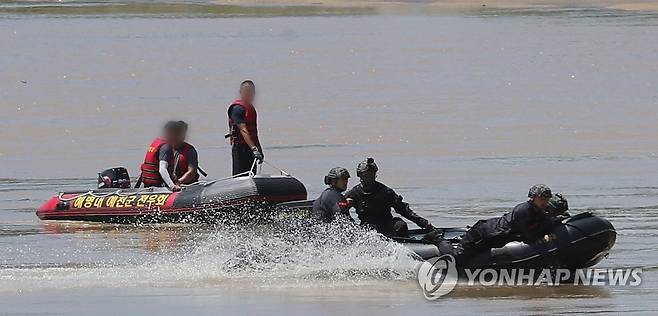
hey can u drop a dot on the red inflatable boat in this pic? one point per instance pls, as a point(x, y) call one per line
point(201, 200)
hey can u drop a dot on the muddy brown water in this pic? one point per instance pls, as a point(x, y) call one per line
point(463, 112)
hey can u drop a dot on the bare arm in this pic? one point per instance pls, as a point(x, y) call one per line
point(190, 176)
point(242, 127)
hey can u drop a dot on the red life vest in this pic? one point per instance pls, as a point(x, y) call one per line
point(251, 120)
point(183, 163)
point(151, 166)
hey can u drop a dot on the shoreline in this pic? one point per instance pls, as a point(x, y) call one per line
point(457, 5)
point(229, 8)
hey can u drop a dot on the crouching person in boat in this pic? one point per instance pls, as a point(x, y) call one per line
point(527, 222)
point(169, 160)
point(331, 202)
point(373, 202)
point(557, 208)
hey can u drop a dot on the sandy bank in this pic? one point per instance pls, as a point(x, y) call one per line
point(647, 5)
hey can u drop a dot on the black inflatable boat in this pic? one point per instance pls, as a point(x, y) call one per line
point(580, 241)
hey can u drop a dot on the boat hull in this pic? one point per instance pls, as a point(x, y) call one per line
point(195, 202)
point(578, 242)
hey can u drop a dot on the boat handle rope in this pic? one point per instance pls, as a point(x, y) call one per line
point(251, 170)
point(283, 172)
point(249, 173)
point(118, 192)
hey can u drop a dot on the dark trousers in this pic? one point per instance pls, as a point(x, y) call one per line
point(243, 158)
point(483, 236)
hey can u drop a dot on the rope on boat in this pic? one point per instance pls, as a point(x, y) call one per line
point(118, 192)
point(283, 172)
point(249, 173)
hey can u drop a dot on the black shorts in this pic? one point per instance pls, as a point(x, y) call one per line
point(243, 158)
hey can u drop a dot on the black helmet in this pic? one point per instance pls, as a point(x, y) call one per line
point(336, 173)
point(540, 190)
point(558, 204)
point(365, 166)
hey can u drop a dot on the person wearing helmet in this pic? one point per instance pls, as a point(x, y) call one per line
point(557, 208)
point(527, 222)
point(332, 202)
point(373, 202)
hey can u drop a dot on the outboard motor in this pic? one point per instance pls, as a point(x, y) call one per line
point(114, 178)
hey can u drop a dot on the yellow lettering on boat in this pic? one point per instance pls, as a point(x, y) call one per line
point(111, 201)
point(129, 201)
point(115, 201)
point(162, 199)
point(98, 202)
point(152, 199)
point(121, 201)
point(78, 202)
point(141, 202)
point(89, 202)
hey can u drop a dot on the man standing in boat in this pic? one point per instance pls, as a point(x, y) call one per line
point(170, 161)
point(373, 201)
point(243, 130)
point(331, 202)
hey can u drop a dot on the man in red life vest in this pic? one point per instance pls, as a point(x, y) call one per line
point(170, 160)
point(243, 126)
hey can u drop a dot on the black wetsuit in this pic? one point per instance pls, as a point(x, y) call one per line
point(330, 204)
point(374, 209)
point(524, 223)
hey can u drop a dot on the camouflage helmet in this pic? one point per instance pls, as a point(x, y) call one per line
point(540, 190)
point(558, 204)
point(366, 165)
point(336, 173)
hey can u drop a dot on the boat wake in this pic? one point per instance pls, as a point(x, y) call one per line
point(282, 253)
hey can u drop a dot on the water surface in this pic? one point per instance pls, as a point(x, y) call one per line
point(463, 112)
